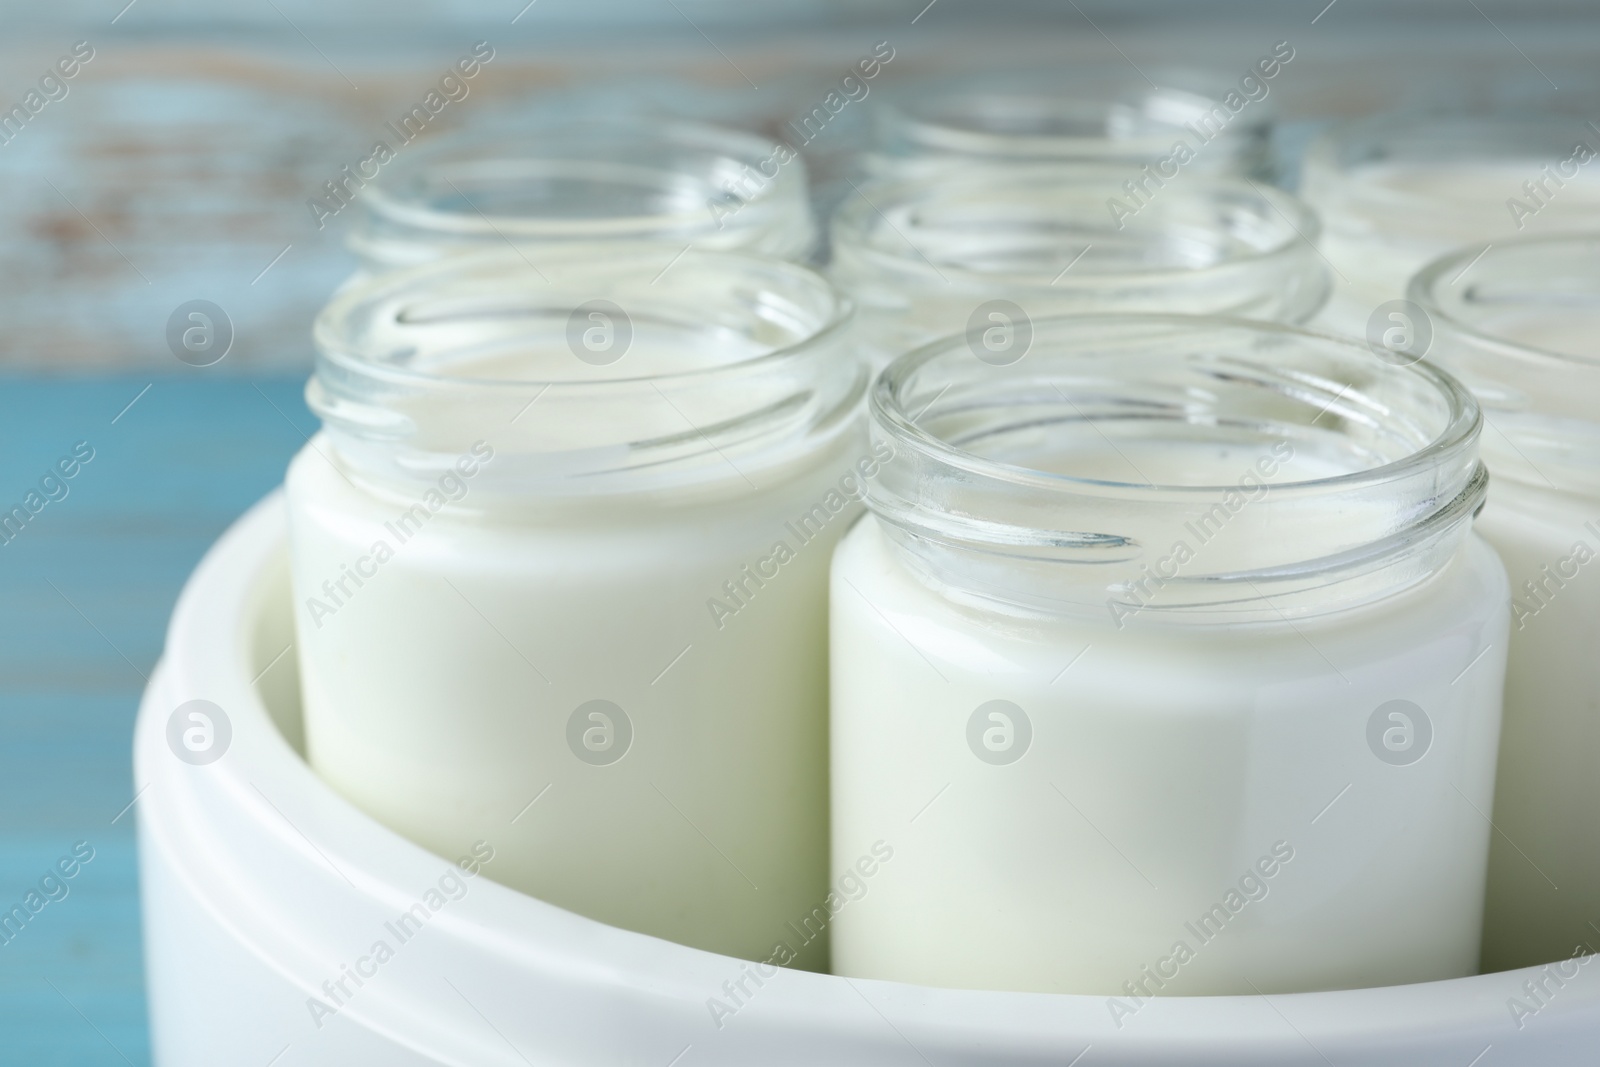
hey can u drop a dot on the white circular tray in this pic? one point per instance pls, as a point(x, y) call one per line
point(261, 884)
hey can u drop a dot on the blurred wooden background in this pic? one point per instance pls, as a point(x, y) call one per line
point(178, 164)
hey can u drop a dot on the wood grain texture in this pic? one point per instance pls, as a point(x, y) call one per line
point(179, 168)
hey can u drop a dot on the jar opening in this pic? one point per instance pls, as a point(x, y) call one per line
point(1047, 120)
point(589, 374)
point(1029, 228)
point(523, 338)
point(610, 180)
point(1518, 322)
point(1081, 116)
point(1308, 472)
point(474, 196)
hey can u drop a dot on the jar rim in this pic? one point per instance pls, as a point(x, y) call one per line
point(1284, 539)
point(850, 223)
point(331, 328)
point(942, 133)
point(1425, 284)
point(1538, 399)
point(753, 370)
point(1460, 428)
point(386, 199)
point(942, 118)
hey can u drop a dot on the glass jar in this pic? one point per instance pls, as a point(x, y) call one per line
point(988, 254)
point(1397, 191)
point(1519, 323)
point(1096, 117)
point(560, 559)
point(601, 184)
point(1165, 662)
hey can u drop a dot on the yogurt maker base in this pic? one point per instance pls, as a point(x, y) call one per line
point(263, 891)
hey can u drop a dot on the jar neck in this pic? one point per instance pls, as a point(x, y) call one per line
point(1096, 120)
point(1516, 321)
point(558, 187)
point(603, 377)
point(1174, 467)
point(928, 254)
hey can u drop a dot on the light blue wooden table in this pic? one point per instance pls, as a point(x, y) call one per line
point(85, 590)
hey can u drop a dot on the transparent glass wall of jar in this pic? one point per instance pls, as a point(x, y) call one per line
point(560, 571)
point(989, 253)
point(1397, 191)
point(1098, 116)
point(1520, 323)
point(1165, 662)
point(597, 183)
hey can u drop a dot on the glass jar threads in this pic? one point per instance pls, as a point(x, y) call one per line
point(988, 254)
point(601, 185)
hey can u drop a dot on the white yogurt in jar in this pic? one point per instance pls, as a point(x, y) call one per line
point(1167, 664)
point(1520, 325)
point(560, 564)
